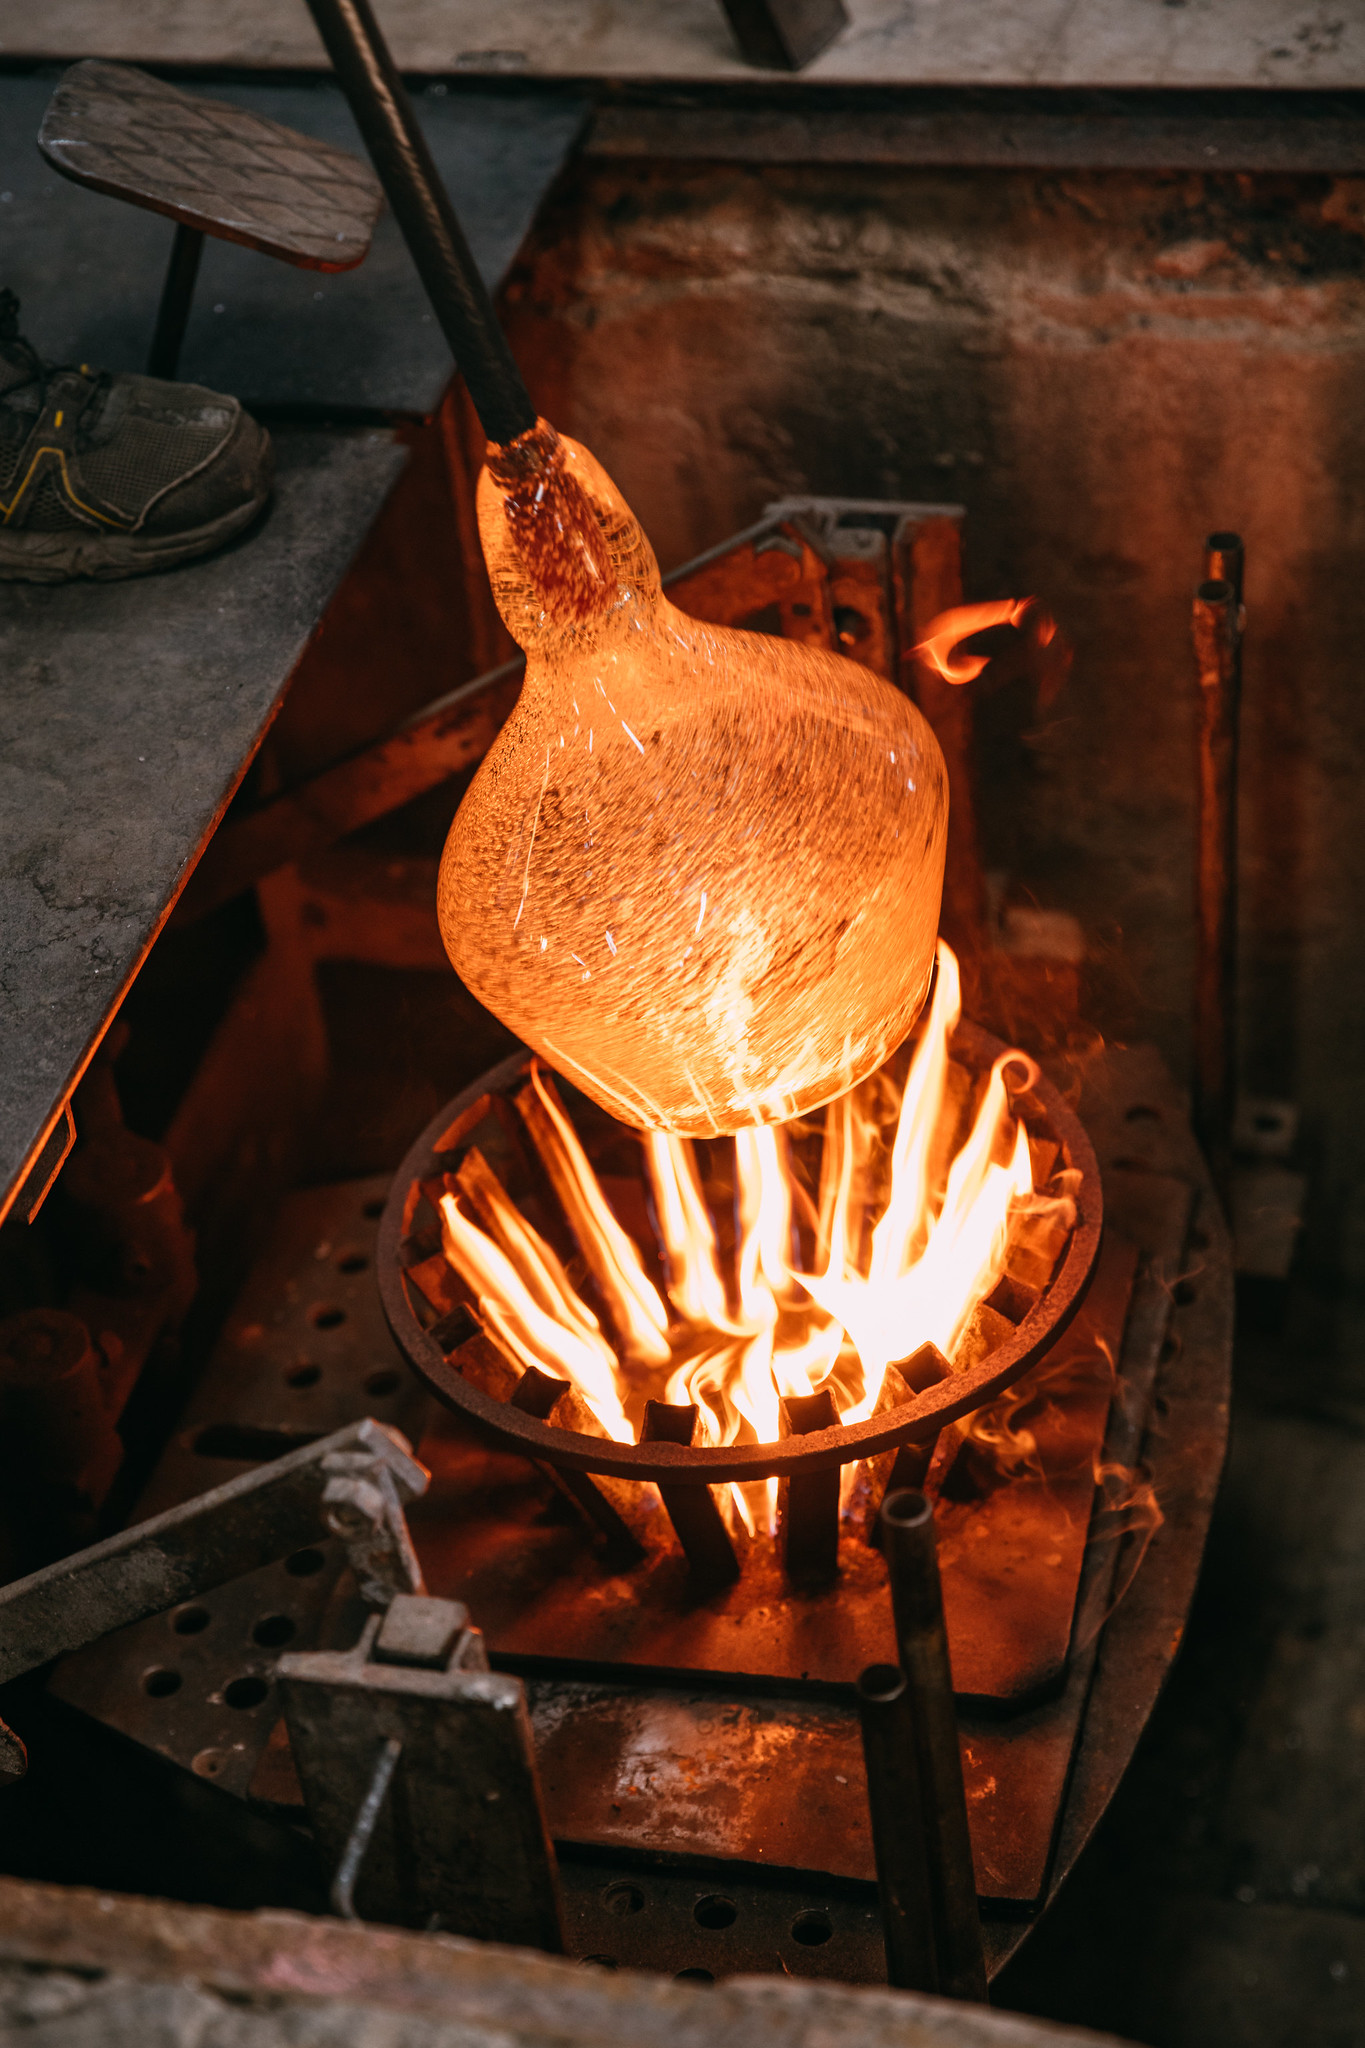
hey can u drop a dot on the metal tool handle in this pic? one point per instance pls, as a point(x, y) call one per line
point(459, 297)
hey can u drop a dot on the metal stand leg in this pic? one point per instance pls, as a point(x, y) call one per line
point(911, 1553)
point(899, 1833)
point(810, 1521)
point(1218, 651)
point(692, 1510)
point(163, 357)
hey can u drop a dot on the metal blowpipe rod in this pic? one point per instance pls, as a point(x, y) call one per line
point(911, 1553)
point(412, 183)
point(1218, 652)
point(899, 1836)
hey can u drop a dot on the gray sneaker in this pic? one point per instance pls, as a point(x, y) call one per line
point(110, 475)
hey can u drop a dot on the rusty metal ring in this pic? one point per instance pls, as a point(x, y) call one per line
point(913, 1421)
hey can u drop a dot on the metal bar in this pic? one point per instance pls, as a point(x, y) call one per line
point(1217, 646)
point(361, 1835)
point(810, 1519)
point(896, 1805)
point(190, 1549)
point(172, 316)
point(42, 1175)
point(697, 1520)
point(1290, 132)
point(926, 574)
point(459, 297)
point(538, 1393)
point(917, 1603)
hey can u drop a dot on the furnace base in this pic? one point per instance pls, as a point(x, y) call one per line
point(695, 1797)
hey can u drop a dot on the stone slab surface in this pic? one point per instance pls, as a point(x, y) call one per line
point(80, 1967)
point(89, 269)
point(127, 714)
point(887, 42)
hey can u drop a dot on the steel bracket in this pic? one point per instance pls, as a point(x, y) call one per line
point(419, 1776)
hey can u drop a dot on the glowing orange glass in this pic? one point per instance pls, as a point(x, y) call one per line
point(700, 869)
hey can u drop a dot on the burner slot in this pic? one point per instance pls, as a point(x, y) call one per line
point(696, 1518)
point(810, 1510)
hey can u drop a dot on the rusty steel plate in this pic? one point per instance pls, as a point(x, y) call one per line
point(1042, 1108)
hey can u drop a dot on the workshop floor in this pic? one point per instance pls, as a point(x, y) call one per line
point(1223, 1900)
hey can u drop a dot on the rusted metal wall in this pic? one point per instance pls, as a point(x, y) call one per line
point(1101, 367)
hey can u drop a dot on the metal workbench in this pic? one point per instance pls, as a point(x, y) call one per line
point(130, 711)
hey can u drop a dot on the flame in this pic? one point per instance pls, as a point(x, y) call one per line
point(946, 633)
point(908, 1233)
point(530, 1335)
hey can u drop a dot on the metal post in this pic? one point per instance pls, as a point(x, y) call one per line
point(1217, 645)
point(810, 1520)
point(696, 1519)
point(899, 1840)
point(383, 113)
point(784, 35)
point(917, 1602)
point(539, 1393)
point(172, 317)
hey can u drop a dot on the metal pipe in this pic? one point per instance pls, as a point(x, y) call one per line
point(459, 297)
point(697, 1520)
point(911, 1552)
point(1217, 646)
point(899, 1840)
point(810, 1515)
point(173, 314)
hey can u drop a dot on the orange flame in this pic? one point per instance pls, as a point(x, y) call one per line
point(947, 632)
point(909, 1233)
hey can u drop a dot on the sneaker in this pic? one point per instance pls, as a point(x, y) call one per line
point(110, 475)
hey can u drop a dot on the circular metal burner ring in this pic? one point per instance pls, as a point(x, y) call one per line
point(1046, 1115)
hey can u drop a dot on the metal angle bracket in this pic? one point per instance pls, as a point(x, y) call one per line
point(419, 1775)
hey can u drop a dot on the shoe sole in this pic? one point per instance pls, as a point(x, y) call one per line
point(27, 557)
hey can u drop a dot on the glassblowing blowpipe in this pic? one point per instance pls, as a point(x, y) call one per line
point(700, 869)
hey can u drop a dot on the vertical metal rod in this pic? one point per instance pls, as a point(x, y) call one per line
point(1217, 645)
point(363, 1827)
point(810, 1521)
point(538, 1393)
point(917, 1602)
point(173, 314)
point(899, 1840)
point(697, 1520)
point(459, 297)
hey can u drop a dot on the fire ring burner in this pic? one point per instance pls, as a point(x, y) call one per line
point(1040, 1108)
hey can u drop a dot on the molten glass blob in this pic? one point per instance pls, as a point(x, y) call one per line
point(700, 869)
